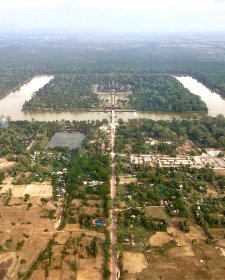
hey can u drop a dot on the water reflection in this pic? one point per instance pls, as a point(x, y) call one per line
point(12, 104)
point(214, 102)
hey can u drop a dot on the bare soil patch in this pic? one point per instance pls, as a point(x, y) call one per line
point(220, 171)
point(5, 164)
point(43, 189)
point(182, 239)
point(160, 239)
point(134, 262)
point(184, 251)
point(38, 275)
point(23, 228)
point(54, 275)
point(8, 262)
point(211, 192)
point(127, 180)
point(89, 274)
point(156, 212)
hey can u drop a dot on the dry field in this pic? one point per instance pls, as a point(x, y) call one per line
point(220, 171)
point(5, 164)
point(66, 253)
point(177, 255)
point(127, 180)
point(35, 189)
point(196, 262)
point(160, 239)
point(70, 257)
point(156, 212)
point(134, 262)
point(26, 226)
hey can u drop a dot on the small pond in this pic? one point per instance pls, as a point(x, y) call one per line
point(70, 139)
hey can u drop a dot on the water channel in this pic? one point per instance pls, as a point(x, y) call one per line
point(12, 104)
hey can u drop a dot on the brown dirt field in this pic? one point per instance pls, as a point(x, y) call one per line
point(182, 239)
point(35, 189)
point(159, 239)
point(56, 260)
point(89, 274)
point(212, 258)
point(218, 234)
point(63, 237)
point(127, 180)
point(15, 201)
point(156, 212)
point(197, 262)
point(57, 249)
point(8, 262)
point(130, 277)
point(67, 261)
point(167, 267)
point(187, 147)
point(5, 164)
point(86, 263)
point(38, 275)
point(92, 262)
point(220, 171)
point(15, 222)
point(94, 202)
point(72, 227)
point(76, 202)
point(89, 210)
point(184, 251)
point(211, 192)
point(67, 275)
point(134, 262)
point(54, 275)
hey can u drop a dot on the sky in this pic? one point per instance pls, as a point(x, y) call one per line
point(120, 16)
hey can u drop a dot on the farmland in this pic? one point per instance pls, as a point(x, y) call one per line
point(170, 218)
point(42, 208)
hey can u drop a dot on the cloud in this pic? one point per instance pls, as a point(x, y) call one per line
point(15, 4)
point(133, 15)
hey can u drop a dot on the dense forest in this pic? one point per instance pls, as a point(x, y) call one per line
point(204, 132)
point(164, 93)
point(150, 93)
point(65, 92)
point(25, 56)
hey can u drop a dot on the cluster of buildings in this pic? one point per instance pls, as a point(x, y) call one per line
point(113, 87)
point(167, 161)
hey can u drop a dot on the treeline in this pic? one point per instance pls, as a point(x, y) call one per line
point(89, 168)
point(15, 139)
point(164, 93)
point(64, 92)
point(204, 132)
point(23, 58)
point(150, 93)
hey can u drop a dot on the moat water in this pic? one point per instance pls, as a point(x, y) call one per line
point(12, 104)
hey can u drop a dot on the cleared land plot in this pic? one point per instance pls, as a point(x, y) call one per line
point(127, 180)
point(134, 262)
point(23, 228)
point(156, 212)
point(182, 239)
point(160, 239)
point(5, 164)
point(71, 248)
point(35, 189)
point(88, 274)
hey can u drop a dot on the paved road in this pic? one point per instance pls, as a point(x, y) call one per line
point(114, 268)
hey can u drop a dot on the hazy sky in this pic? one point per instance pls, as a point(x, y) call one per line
point(113, 15)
